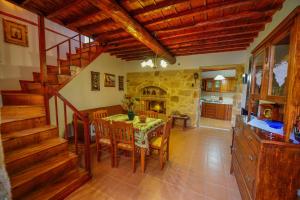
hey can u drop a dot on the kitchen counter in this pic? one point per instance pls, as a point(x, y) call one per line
point(216, 110)
point(224, 101)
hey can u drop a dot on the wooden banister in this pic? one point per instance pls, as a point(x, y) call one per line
point(77, 115)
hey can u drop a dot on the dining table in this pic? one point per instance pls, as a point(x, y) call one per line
point(142, 131)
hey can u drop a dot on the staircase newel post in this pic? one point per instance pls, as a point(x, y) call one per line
point(43, 65)
point(87, 144)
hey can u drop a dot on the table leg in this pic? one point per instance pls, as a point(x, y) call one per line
point(173, 122)
point(143, 155)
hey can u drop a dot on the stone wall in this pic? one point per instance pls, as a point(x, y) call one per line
point(182, 91)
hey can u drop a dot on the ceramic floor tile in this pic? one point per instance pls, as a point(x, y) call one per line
point(198, 169)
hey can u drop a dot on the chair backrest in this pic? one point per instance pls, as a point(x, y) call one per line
point(100, 114)
point(166, 133)
point(149, 113)
point(102, 129)
point(123, 132)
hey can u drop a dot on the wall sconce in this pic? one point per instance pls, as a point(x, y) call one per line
point(196, 76)
point(245, 78)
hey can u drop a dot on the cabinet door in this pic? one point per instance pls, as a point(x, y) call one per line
point(217, 85)
point(209, 85)
point(279, 67)
point(257, 74)
point(224, 85)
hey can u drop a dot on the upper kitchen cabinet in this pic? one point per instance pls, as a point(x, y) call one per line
point(226, 85)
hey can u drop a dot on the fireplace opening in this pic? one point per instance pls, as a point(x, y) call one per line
point(153, 98)
point(157, 106)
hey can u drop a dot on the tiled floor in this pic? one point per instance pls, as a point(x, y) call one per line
point(214, 123)
point(198, 169)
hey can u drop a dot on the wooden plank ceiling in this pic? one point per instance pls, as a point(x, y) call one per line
point(180, 27)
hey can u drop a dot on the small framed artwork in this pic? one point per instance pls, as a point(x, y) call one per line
point(109, 80)
point(95, 81)
point(15, 33)
point(121, 83)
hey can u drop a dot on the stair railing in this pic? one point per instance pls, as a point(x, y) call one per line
point(78, 44)
point(76, 115)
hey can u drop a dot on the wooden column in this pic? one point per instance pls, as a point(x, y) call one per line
point(43, 65)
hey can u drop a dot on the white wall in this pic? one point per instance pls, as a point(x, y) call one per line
point(79, 93)
point(196, 61)
point(18, 62)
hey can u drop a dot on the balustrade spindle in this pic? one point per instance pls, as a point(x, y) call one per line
point(75, 133)
point(90, 49)
point(56, 110)
point(80, 50)
point(66, 121)
point(58, 59)
point(70, 52)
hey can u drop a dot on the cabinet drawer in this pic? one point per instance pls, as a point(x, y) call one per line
point(251, 139)
point(240, 179)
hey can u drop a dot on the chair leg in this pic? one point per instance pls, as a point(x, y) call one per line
point(116, 156)
point(98, 152)
point(161, 160)
point(133, 161)
point(168, 151)
point(112, 156)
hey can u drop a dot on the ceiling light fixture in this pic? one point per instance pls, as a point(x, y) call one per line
point(219, 78)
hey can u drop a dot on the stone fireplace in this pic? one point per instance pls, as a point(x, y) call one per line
point(153, 98)
point(166, 91)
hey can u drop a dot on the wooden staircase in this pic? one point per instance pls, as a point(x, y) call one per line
point(37, 159)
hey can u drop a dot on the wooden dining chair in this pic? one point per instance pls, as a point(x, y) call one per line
point(104, 139)
point(161, 143)
point(123, 134)
point(149, 113)
point(100, 114)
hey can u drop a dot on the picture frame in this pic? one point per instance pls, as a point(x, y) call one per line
point(121, 83)
point(15, 33)
point(109, 80)
point(95, 81)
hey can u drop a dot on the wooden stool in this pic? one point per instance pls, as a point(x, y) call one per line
point(185, 118)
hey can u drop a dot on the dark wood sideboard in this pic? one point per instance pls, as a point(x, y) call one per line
point(265, 169)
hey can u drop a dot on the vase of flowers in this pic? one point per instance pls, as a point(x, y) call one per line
point(129, 104)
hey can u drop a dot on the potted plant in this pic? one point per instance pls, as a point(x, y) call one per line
point(129, 104)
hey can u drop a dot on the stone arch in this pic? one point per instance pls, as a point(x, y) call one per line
point(147, 84)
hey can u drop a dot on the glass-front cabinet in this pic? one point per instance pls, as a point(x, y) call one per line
point(278, 68)
point(257, 74)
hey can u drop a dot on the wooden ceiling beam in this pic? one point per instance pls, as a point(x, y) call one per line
point(135, 44)
point(199, 11)
point(210, 48)
point(62, 9)
point(252, 34)
point(74, 22)
point(89, 28)
point(210, 51)
point(157, 6)
point(218, 42)
point(232, 17)
point(199, 47)
point(120, 16)
point(213, 34)
point(137, 52)
point(211, 41)
point(129, 49)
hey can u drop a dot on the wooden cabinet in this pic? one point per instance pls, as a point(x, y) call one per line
point(275, 71)
point(264, 169)
point(211, 85)
point(216, 111)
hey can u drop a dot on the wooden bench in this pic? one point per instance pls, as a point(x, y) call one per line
point(185, 118)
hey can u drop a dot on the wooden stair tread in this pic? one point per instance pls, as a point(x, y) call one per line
point(42, 167)
point(26, 132)
point(61, 187)
point(32, 149)
point(19, 118)
point(20, 93)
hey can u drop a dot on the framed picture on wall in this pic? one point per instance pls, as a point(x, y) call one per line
point(15, 33)
point(121, 83)
point(109, 80)
point(95, 81)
